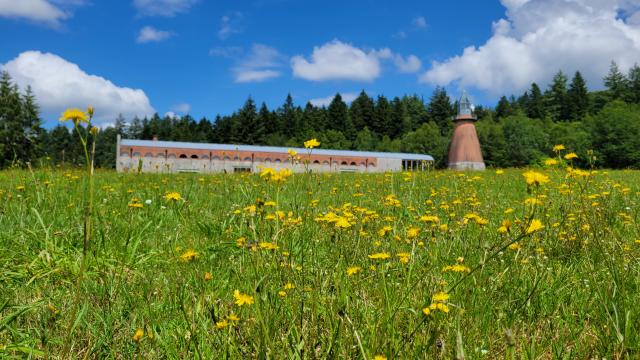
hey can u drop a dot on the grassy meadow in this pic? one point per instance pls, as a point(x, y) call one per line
point(321, 266)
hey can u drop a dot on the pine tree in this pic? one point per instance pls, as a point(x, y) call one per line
point(290, 119)
point(634, 85)
point(362, 111)
point(535, 107)
point(440, 110)
point(577, 98)
point(12, 137)
point(504, 108)
point(382, 123)
point(338, 116)
point(32, 127)
point(616, 83)
point(557, 97)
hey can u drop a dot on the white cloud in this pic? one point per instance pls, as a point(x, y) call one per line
point(539, 37)
point(35, 10)
point(166, 8)
point(183, 108)
point(229, 25)
point(337, 61)
point(151, 34)
point(230, 52)
point(261, 64)
point(171, 114)
point(420, 22)
point(325, 101)
point(59, 84)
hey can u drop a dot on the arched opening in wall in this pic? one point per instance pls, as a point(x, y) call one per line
point(171, 156)
point(363, 164)
point(236, 158)
point(194, 156)
point(248, 158)
point(335, 163)
point(205, 157)
point(136, 154)
point(215, 158)
point(258, 159)
point(227, 158)
point(316, 162)
point(353, 163)
point(325, 162)
point(267, 160)
point(344, 163)
point(123, 153)
point(160, 155)
point(277, 161)
point(183, 156)
point(149, 155)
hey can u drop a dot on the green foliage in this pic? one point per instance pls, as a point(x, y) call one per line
point(616, 135)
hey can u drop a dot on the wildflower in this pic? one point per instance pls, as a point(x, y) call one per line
point(535, 178)
point(379, 357)
point(289, 286)
point(268, 246)
point(292, 152)
point(342, 223)
point(352, 270)
point(138, 335)
point(514, 246)
point(426, 311)
point(413, 232)
point(20, 188)
point(282, 293)
point(534, 226)
point(505, 227)
point(188, 255)
point(94, 130)
point(380, 256)
point(571, 156)
point(222, 324)
point(75, 115)
point(310, 144)
point(499, 172)
point(456, 268)
point(440, 297)
point(558, 148)
point(439, 306)
point(208, 276)
point(385, 230)
point(242, 299)
point(551, 162)
point(173, 196)
point(233, 317)
point(404, 257)
point(429, 219)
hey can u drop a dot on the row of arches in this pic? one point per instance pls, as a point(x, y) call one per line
point(167, 155)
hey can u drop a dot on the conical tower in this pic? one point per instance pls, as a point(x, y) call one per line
point(464, 150)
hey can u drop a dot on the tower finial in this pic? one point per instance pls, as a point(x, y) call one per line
point(464, 106)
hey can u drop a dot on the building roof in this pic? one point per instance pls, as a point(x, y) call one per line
point(273, 149)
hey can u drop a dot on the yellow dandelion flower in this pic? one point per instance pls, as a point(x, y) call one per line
point(514, 246)
point(426, 311)
point(242, 299)
point(413, 232)
point(535, 178)
point(138, 335)
point(380, 256)
point(268, 245)
point(310, 144)
point(499, 172)
point(505, 226)
point(551, 162)
point(571, 156)
point(379, 357)
point(558, 148)
point(456, 268)
point(342, 223)
point(535, 225)
point(233, 317)
point(208, 276)
point(173, 196)
point(289, 286)
point(282, 293)
point(440, 297)
point(292, 153)
point(75, 115)
point(188, 255)
point(222, 324)
point(352, 270)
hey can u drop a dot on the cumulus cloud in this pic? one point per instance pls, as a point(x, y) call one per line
point(337, 61)
point(325, 101)
point(166, 8)
point(151, 34)
point(183, 108)
point(260, 64)
point(59, 84)
point(420, 22)
point(229, 25)
point(41, 11)
point(341, 61)
point(539, 37)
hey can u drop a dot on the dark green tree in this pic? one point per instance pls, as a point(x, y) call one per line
point(536, 107)
point(634, 85)
point(504, 108)
point(616, 83)
point(577, 98)
point(440, 110)
point(556, 98)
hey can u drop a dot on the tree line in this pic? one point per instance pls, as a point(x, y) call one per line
point(519, 131)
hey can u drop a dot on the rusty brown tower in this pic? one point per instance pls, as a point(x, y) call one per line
point(464, 150)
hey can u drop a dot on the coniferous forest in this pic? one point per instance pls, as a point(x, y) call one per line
point(521, 130)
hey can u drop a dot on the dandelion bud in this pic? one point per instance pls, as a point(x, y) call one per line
point(94, 130)
point(90, 111)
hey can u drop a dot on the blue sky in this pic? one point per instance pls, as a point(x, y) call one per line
point(206, 57)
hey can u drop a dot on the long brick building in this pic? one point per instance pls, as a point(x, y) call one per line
point(171, 156)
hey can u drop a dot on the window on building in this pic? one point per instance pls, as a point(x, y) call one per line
point(242, 169)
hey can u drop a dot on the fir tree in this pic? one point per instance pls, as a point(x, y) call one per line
point(616, 83)
point(440, 110)
point(535, 107)
point(577, 98)
point(556, 97)
point(634, 84)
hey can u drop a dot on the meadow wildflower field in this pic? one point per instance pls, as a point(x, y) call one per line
point(527, 264)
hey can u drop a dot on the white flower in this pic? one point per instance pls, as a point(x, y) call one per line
point(148, 201)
